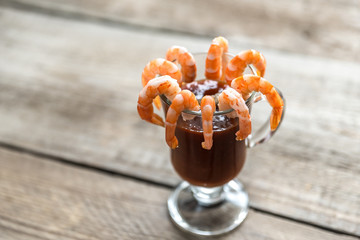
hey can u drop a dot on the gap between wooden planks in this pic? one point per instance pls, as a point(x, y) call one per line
point(41, 199)
point(69, 89)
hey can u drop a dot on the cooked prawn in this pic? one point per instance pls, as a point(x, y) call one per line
point(160, 66)
point(230, 98)
point(237, 64)
point(183, 100)
point(207, 111)
point(216, 58)
point(160, 85)
point(247, 83)
point(186, 60)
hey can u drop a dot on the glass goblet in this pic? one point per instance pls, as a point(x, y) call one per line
point(211, 201)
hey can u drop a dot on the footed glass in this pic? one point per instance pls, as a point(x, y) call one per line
point(211, 201)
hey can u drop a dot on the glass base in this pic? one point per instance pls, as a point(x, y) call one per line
point(201, 218)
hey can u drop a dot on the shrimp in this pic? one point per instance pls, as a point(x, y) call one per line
point(182, 56)
point(247, 83)
point(207, 112)
point(215, 59)
point(160, 66)
point(237, 64)
point(160, 85)
point(183, 100)
point(230, 98)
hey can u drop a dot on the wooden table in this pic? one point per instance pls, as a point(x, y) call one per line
point(76, 161)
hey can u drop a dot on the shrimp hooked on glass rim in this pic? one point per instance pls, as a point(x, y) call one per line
point(208, 108)
point(157, 86)
point(160, 67)
point(238, 64)
point(247, 83)
point(230, 98)
point(183, 100)
point(225, 87)
point(186, 60)
point(216, 60)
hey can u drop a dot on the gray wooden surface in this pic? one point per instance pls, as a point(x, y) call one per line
point(324, 28)
point(68, 90)
point(42, 199)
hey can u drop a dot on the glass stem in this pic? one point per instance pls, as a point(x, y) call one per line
point(208, 196)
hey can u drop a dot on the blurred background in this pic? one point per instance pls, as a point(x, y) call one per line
point(323, 28)
point(70, 74)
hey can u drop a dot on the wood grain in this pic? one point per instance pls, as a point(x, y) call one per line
point(324, 28)
point(42, 199)
point(69, 89)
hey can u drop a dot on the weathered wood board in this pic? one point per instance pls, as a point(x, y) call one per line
point(323, 28)
point(69, 88)
point(41, 199)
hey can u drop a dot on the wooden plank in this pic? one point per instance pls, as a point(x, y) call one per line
point(69, 89)
point(324, 28)
point(51, 200)
point(10, 233)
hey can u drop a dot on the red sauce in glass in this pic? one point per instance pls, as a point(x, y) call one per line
point(201, 167)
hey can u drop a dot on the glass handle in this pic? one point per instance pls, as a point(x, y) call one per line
point(264, 133)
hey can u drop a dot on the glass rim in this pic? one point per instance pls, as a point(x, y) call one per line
point(198, 113)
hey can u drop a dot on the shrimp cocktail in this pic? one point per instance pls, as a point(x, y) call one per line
point(207, 99)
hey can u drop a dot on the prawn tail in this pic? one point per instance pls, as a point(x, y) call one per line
point(157, 102)
point(173, 143)
point(240, 136)
point(207, 145)
point(157, 120)
point(275, 118)
point(170, 137)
